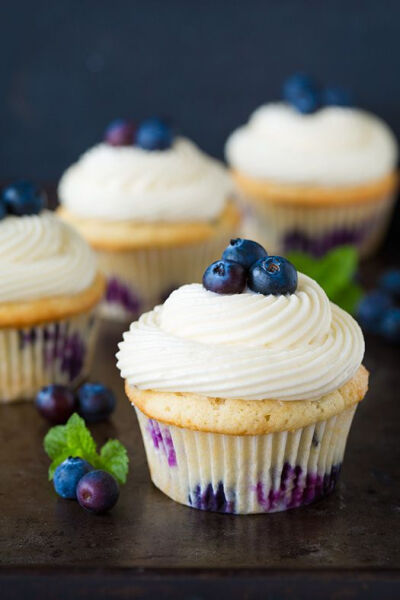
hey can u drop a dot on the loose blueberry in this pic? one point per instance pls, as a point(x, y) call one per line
point(273, 275)
point(97, 491)
point(23, 198)
point(301, 91)
point(390, 282)
point(56, 403)
point(371, 309)
point(390, 325)
point(68, 474)
point(154, 134)
point(336, 96)
point(3, 210)
point(96, 402)
point(120, 133)
point(225, 277)
point(245, 252)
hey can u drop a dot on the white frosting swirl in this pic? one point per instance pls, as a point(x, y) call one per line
point(333, 146)
point(126, 182)
point(40, 256)
point(248, 346)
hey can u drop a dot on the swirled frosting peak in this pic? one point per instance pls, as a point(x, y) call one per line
point(248, 346)
point(40, 256)
point(129, 183)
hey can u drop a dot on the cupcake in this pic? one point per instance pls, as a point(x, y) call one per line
point(48, 295)
point(313, 173)
point(154, 207)
point(245, 387)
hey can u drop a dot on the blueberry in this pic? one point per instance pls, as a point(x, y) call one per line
point(371, 309)
point(68, 474)
point(23, 198)
point(154, 134)
point(336, 96)
point(306, 102)
point(245, 252)
point(96, 402)
point(390, 324)
point(390, 282)
point(225, 277)
point(97, 491)
point(301, 91)
point(273, 275)
point(120, 133)
point(56, 403)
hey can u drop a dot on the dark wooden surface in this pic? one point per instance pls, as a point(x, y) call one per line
point(346, 546)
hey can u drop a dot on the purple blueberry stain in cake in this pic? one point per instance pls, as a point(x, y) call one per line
point(320, 245)
point(121, 294)
point(212, 499)
point(162, 440)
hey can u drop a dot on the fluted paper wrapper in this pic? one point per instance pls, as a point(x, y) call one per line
point(140, 279)
point(59, 352)
point(246, 474)
point(284, 227)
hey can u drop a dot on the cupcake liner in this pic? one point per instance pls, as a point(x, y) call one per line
point(317, 229)
point(138, 280)
point(246, 474)
point(59, 352)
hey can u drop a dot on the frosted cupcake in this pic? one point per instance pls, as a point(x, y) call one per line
point(48, 295)
point(245, 387)
point(156, 211)
point(314, 174)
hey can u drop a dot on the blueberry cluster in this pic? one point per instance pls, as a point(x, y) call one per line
point(379, 311)
point(304, 93)
point(245, 262)
point(151, 134)
point(21, 198)
point(96, 490)
point(93, 401)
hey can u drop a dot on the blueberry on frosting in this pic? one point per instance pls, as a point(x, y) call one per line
point(273, 275)
point(23, 198)
point(154, 134)
point(245, 252)
point(304, 94)
point(120, 132)
point(225, 277)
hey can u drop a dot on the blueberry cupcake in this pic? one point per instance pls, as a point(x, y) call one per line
point(245, 386)
point(314, 173)
point(154, 207)
point(49, 291)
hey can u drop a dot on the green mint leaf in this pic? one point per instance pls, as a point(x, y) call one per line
point(114, 459)
point(79, 439)
point(349, 297)
point(55, 441)
point(305, 263)
point(337, 269)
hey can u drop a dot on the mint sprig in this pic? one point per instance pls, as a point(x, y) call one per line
point(335, 273)
point(75, 439)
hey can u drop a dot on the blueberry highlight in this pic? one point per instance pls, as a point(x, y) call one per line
point(273, 275)
point(244, 252)
point(225, 277)
point(154, 134)
point(23, 198)
point(97, 492)
point(120, 133)
point(56, 403)
point(68, 474)
point(371, 310)
point(390, 325)
point(95, 402)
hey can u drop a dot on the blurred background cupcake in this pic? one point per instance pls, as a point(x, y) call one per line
point(49, 291)
point(313, 172)
point(155, 208)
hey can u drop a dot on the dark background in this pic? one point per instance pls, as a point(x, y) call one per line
point(69, 67)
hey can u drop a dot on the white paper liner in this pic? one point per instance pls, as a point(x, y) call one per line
point(246, 474)
point(58, 352)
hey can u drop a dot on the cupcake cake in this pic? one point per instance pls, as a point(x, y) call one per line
point(154, 207)
point(48, 295)
point(245, 386)
point(314, 173)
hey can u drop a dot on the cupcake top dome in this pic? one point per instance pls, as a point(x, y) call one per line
point(313, 137)
point(255, 344)
point(145, 174)
point(40, 256)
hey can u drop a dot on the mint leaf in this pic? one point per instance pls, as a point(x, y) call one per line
point(79, 438)
point(55, 440)
point(349, 297)
point(114, 459)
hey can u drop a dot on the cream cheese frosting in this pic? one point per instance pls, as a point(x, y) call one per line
point(129, 183)
point(40, 256)
point(246, 346)
point(334, 146)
